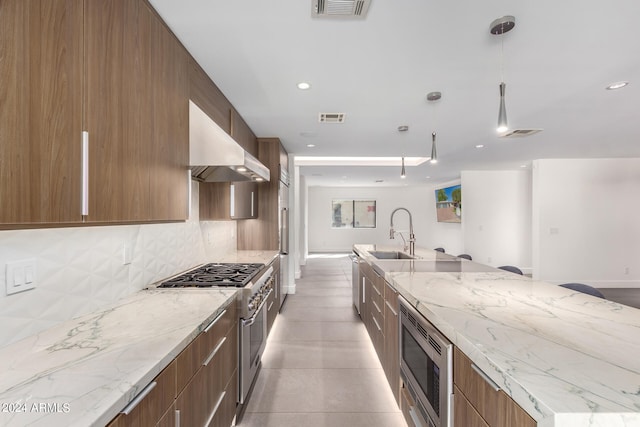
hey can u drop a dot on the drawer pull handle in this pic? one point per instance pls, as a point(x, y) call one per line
point(215, 350)
point(376, 306)
point(485, 377)
point(214, 321)
point(395, 313)
point(145, 391)
point(377, 325)
point(270, 305)
point(376, 289)
point(215, 409)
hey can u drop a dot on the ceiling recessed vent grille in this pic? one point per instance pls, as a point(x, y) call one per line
point(340, 8)
point(331, 118)
point(519, 133)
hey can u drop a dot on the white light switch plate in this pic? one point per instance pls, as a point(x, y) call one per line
point(21, 275)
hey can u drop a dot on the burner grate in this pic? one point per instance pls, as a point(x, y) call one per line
point(215, 274)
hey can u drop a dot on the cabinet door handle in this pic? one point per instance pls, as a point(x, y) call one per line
point(215, 409)
point(363, 288)
point(376, 306)
point(214, 321)
point(252, 214)
point(232, 200)
point(270, 305)
point(485, 377)
point(215, 350)
point(145, 391)
point(177, 414)
point(85, 174)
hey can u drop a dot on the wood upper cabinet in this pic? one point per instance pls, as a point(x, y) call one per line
point(493, 406)
point(208, 97)
point(108, 67)
point(263, 233)
point(242, 134)
point(41, 63)
point(136, 113)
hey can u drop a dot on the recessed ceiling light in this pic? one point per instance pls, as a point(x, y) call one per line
point(523, 166)
point(428, 177)
point(304, 86)
point(311, 145)
point(480, 146)
point(241, 169)
point(617, 85)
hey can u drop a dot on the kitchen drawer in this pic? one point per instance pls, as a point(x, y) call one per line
point(377, 300)
point(464, 414)
point(204, 395)
point(219, 372)
point(272, 309)
point(494, 406)
point(192, 357)
point(226, 411)
point(155, 400)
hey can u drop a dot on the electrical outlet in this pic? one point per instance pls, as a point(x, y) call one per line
point(21, 275)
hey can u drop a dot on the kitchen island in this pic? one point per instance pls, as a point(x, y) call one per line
point(566, 358)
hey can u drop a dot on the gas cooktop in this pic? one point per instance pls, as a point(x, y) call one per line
point(211, 275)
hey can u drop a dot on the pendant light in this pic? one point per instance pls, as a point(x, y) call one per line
point(432, 97)
point(434, 155)
point(403, 173)
point(499, 27)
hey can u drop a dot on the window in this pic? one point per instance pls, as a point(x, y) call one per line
point(353, 214)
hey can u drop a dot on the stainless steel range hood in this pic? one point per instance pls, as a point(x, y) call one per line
point(214, 156)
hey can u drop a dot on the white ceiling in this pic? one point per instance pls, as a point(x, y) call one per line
point(557, 62)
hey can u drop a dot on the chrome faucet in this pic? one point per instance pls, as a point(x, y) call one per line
point(412, 237)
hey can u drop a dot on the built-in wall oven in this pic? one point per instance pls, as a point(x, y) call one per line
point(426, 367)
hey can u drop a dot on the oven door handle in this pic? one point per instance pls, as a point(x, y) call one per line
point(252, 319)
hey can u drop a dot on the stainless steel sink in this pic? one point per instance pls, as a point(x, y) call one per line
point(391, 255)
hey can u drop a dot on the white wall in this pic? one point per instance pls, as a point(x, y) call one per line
point(585, 221)
point(420, 201)
point(80, 269)
point(496, 217)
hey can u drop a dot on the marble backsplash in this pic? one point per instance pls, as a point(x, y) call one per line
point(81, 269)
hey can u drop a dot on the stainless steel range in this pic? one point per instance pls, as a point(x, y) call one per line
point(256, 285)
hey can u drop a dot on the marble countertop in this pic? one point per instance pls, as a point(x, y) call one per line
point(84, 371)
point(567, 358)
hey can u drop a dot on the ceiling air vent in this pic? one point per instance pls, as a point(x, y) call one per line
point(339, 8)
point(331, 118)
point(519, 133)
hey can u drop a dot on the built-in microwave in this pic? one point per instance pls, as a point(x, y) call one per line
point(426, 367)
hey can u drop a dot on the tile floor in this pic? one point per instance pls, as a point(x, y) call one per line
point(319, 368)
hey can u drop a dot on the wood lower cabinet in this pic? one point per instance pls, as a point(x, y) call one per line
point(493, 406)
point(199, 387)
point(464, 414)
point(211, 391)
point(155, 401)
point(391, 362)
